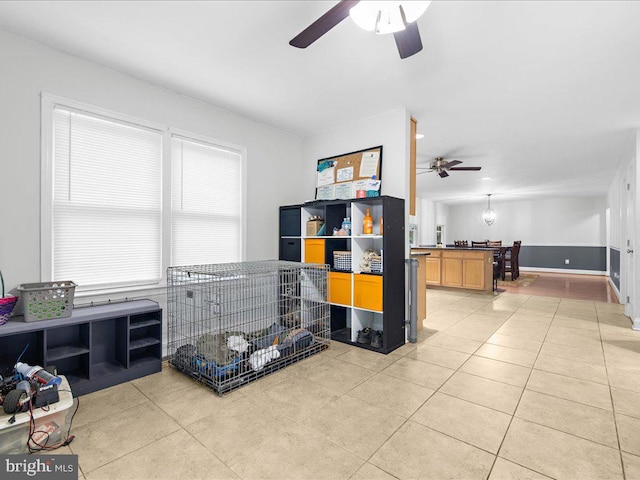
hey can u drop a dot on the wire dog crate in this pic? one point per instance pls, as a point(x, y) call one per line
point(232, 323)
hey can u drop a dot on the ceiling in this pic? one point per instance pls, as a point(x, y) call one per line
point(544, 96)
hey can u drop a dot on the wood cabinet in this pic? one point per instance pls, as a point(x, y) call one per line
point(95, 348)
point(452, 269)
point(459, 268)
point(473, 272)
point(433, 268)
point(358, 299)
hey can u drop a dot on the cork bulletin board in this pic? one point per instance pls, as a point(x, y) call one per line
point(351, 175)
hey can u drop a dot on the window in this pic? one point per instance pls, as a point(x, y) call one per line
point(122, 199)
point(206, 203)
point(440, 235)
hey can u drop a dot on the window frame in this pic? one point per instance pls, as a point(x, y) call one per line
point(48, 103)
point(190, 136)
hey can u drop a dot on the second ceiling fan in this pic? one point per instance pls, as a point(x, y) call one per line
point(442, 166)
point(382, 17)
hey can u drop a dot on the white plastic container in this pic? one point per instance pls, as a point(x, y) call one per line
point(54, 421)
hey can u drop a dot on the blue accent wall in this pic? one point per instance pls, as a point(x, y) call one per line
point(580, 258)
point(614, 266)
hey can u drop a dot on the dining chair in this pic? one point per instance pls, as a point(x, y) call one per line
point(497, 270)
point(494, 243)
point(482, 244)
point(511, 261)
point(461, 243)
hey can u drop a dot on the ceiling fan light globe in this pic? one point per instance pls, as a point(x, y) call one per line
point(365, 14)
point(385, 16)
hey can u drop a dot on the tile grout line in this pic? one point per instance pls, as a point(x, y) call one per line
point(516, 408)
point(613, 405)
point(549, 325)
point(419, 407)
point(430, 396)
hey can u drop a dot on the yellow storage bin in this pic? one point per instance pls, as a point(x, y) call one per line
point(367, 292)
point(314, 251)
point(340, 288)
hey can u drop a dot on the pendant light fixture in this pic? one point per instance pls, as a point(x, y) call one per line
point(489, 215)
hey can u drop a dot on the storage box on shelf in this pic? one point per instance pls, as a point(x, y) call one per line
point(314, 226)
point(367, 294)
point(42, 301)
point(290, 233)
point(342, 261)
point(51, 425)
point(96, 347)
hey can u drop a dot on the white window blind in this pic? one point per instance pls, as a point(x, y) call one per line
point(107, 201)
point(206, 203)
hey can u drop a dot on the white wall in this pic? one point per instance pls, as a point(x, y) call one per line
point(576, 221)
point(633, 310)
point(615, 201)
point(388, 129)
point(431, 214)
point(624, 228)
point(426, 221)
point(391, 130)
point(27, 69)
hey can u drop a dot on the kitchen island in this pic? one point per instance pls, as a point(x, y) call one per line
point(459, 267)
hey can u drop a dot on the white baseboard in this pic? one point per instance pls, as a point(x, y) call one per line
point(562, 270)
point(615, 290)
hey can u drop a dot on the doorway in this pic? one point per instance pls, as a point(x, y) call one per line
point(628, 248)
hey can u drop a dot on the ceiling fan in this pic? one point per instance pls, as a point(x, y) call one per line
point(442, 166)
point(382, 17)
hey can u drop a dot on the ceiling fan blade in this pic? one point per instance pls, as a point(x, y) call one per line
point(466, 168)
point(325, 23)
point(443, 174)
point(408, 40)
point(453, 163)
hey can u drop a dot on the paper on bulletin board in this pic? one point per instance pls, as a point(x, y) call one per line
point(326, 192)
point(358, 185)
point(369, 164)
point(366, 185)
point(373, 185)
point(343, 191)
point(345, 174)
point(326, 177)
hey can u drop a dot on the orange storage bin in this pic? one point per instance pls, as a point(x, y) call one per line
point(314, 251)
point(340, 288)
point(367, 292)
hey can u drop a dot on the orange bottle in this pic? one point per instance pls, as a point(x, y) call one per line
point(367, 224)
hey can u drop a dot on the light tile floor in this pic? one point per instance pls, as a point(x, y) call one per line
point(499, 387)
